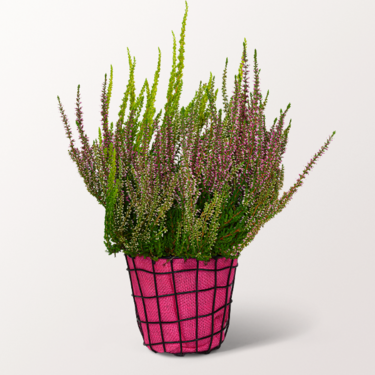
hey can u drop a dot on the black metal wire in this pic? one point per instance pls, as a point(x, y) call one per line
point(231, 293)
point(185, 270)
point(178, 315)
point(196, 307)
point(157, 301)
point(213, 308)
point(227, 305)
point(226, 298)
point(135, 305)
point(144, 307)
point(188, 291)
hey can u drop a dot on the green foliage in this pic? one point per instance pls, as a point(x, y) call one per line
point(175, 213)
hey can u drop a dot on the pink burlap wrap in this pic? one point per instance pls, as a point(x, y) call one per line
point(177, 314)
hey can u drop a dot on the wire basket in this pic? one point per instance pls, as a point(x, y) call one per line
point(182, 306)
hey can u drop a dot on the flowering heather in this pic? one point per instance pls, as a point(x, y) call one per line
point(206, 184)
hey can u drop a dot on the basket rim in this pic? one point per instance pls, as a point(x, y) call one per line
point(216, 257)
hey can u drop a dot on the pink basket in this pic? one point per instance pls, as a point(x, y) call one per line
point(182, 306)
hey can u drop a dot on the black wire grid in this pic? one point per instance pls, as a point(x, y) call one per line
point(224, 325)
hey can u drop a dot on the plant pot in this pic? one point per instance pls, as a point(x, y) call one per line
point(182, 306)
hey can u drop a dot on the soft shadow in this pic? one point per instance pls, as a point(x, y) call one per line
point(263, 326)
point(254, 327)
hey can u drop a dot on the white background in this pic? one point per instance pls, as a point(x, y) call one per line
point(304, 296)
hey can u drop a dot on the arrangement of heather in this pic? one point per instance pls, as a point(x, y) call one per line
point(196, 182)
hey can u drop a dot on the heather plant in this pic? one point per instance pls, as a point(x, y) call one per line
point(196, 182)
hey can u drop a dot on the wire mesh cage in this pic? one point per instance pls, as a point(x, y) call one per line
point(182, 306)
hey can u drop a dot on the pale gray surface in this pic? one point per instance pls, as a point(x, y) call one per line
point(304, 293)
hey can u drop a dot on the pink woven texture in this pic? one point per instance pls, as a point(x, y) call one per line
point(170, 319)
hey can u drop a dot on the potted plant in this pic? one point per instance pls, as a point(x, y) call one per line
point(183, 207)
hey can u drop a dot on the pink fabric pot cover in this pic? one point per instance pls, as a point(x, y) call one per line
point(174, 314)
